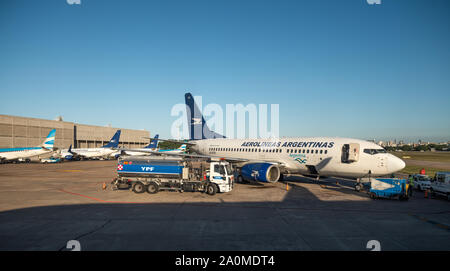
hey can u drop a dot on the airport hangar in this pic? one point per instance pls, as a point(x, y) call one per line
point(19, 132)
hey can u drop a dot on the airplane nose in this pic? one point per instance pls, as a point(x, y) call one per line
point(396, 164)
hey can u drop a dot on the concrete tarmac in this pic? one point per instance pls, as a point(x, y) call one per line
point(42, 207)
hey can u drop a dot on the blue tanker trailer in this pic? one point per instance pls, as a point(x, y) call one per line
point(156, 173)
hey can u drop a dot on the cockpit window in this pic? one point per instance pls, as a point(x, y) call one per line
point(374, 151)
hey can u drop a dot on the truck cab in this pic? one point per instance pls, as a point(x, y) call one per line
point(441, 184)
point(156, 173)
point(220, 174)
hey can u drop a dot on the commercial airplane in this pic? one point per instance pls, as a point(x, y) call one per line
point(152, 149)
point(267, 160)
point(181, 149)
point(67, 154)
point(24, 153)
point(133, 152)
point(104, 151)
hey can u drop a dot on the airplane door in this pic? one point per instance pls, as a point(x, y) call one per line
point(350, 153)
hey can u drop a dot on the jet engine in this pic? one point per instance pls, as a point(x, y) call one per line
point(261, 172)
point(68, 156)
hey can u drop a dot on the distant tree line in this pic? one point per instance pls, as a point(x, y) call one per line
point(428, 147)
point(166, 145)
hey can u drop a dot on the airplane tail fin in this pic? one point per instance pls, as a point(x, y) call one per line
point(153, 143)
point(49, 140)
point(196, 123)
point(114, 142)
point(70, 149)
point(182, 148)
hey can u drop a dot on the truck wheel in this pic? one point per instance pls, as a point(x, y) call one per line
point(211, 189)
point(373, 196)
point(138, 188)
point(240, 179)
point(357, 188)
point(152, 188)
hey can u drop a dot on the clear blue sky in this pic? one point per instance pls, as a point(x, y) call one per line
point(337, 68)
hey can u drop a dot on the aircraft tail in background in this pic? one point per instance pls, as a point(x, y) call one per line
point(49, 140)
point(153, 143)
point(182, 148)
point(114, 142)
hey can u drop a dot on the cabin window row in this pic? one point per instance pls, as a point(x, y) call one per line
point(269, 150)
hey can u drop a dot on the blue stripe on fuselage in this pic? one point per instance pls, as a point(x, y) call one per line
point(20, 149)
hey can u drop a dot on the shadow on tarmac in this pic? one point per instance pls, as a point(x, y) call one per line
point(301, 221)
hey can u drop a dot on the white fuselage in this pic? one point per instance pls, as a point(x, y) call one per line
point(90, 152)
point(304, 155)
point(171, 151)
point(24, 153)
point(140, 152)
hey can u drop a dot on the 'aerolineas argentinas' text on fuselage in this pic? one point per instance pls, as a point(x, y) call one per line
point(271, 144)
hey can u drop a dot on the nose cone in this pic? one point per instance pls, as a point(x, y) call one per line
point(395, 164)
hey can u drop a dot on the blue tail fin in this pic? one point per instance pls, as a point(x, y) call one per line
point(70, 149)
point(49, 140)
point(196, 123)
point(182, 148)
point(114, 142)
point(153, 143)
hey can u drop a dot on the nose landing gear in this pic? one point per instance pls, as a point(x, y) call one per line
point(359, 186)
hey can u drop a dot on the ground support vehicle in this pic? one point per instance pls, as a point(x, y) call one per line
point(389, 188)
point(50, 160)
point(421, 182)
point(441, 184)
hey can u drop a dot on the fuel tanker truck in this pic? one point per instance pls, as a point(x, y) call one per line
point(156, 173)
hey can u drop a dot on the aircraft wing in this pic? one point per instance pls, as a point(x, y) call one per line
point(167, 153)
point(229, 159)
point(80, 154)
point(170, 140)
point(84, 154)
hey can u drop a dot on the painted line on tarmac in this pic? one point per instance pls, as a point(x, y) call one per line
point(442, 226)
point(99, 200)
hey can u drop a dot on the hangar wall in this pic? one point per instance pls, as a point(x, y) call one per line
point(17, 132)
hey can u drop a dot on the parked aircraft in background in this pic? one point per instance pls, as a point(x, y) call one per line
point(152, 146)
point(90, 153)
point(152, 149)
point(26, 153)
point(67, 154)
point(181, 149)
